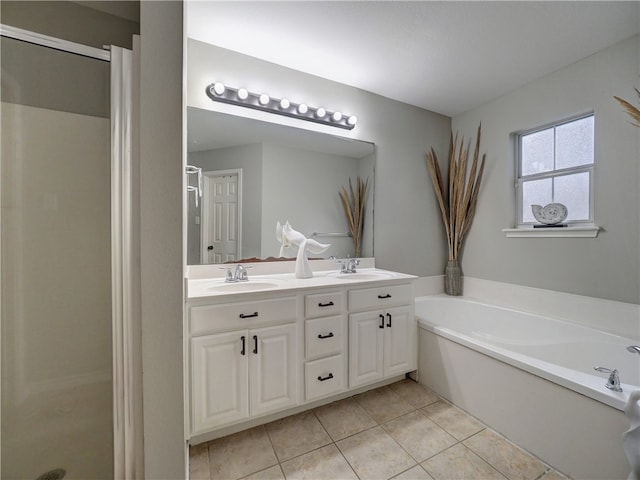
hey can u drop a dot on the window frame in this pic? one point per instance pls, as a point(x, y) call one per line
point(520, 179)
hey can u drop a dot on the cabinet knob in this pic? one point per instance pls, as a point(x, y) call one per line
point(328, 304)
point(255, 344)
point(388, 295)
point(243, 351)
point(328, 335)
point(389, 320)
point(248, 315)
point(381, 321)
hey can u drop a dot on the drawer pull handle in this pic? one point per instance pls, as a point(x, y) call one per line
point(328, 335)
point(248, 315)
point(255, 344)
point(328, 304)
point(244, 345)
point(381, 321)
point(328, 377)
point(389, 319)
point(388, 295)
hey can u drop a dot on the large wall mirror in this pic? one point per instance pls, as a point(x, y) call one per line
point(256, 174)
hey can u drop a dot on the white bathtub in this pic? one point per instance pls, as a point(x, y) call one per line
point(531, 378)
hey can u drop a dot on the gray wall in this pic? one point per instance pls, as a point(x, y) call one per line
point(162, 194)
point(408, 233)
point(70, 21)
point(607, 266)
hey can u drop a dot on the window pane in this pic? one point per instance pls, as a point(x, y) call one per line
point(574, 143)
point(537, 152)
point(535, 192)
point(573, 192)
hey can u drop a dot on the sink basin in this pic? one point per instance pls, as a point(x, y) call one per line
point(242, 286)
point(363, 276)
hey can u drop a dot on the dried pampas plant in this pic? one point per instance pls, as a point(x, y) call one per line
point(633, 111)
point(354, 203)
point(458, 199)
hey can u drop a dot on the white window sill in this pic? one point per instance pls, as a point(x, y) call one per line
point(575, 232)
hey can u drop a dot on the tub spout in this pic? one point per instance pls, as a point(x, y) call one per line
point(634, 349)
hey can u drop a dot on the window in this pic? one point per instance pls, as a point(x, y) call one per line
point(555, 164)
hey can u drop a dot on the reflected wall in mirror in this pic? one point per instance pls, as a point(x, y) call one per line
point(256, 174)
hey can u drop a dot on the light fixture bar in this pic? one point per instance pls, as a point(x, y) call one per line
point(219, 92)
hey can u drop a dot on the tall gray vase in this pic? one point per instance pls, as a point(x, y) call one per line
point(453, 278)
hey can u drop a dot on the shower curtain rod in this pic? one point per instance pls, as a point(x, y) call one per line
point(52, 42)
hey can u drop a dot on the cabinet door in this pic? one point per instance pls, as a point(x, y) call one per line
point(273, 366)
point(400, 337)
point(219, 380)
point(365, 348)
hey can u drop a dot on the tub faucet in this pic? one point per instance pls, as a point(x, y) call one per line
point(634, 349)
point(613, 383)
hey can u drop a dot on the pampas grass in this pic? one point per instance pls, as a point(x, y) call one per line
point(631, 110)
point(457, 200)
point(353, 202)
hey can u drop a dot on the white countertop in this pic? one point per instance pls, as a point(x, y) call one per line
point(199, 288)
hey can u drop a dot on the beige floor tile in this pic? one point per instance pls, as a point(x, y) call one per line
point(414, 393)
point(418, 435)
point(326, 463)
point(510, 460)
point(383, 404)
point(272, 473)
point(298, 434)
point(415, 473)
point(460, 463)
point(373, 454)
point(241, 454)
point(453, 420)
point(199, 462)
point(344, 418)
point(553, 475)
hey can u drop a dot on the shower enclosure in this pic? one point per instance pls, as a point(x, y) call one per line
point(61, 263)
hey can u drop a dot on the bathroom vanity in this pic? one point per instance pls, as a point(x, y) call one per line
point(278, 345)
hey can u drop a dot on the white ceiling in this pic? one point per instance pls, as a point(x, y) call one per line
point(444, 56)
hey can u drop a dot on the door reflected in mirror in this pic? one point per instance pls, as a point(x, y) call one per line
point(256, 174)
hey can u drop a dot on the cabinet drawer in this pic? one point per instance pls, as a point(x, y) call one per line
point(380, 297)
point(323, 304)
point(213, 318)
point(324, 377)
point(323, 336)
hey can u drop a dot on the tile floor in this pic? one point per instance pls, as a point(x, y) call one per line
point(402, 431)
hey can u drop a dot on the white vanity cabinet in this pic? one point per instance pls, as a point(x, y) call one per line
point(325, 368)
point(245, 372)
point(256, 356)
point(382, 333)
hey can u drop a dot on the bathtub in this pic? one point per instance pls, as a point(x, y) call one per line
point(531, 378)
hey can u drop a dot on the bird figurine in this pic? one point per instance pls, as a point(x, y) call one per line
point(287, 235)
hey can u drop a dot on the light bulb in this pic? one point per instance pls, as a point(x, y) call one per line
point(321, 112)
point(302, 108)
point(218, 88)
point(243, 94)
point(337, 116)
point(352, 120)
point(264, 99)
point(284, 103)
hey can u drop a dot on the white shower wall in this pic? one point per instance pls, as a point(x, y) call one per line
point(56, 293)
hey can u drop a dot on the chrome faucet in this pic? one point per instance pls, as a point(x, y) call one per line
point(634, 349)
point(239, 274)
point(613, 382)
point(348, 266)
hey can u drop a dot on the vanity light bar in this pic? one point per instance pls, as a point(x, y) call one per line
point(220, 92)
